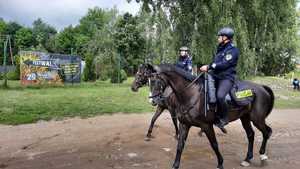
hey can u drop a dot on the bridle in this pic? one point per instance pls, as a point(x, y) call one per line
point(160, 93)
point(140, 82)
point(162, 86)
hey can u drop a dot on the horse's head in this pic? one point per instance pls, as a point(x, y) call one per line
point(157, 88)
point(142, 76)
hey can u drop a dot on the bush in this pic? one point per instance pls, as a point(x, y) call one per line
point(89, 70)
point(13, 75)
point(114, 77)
point(105, 73)
point(123, 75)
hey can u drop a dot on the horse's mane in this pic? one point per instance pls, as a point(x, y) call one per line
point(172, 68)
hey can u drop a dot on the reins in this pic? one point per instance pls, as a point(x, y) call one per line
point(186, 87)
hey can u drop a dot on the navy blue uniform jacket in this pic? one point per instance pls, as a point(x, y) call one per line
point(185, 63)
point(225, 61)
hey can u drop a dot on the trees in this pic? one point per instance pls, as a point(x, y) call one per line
point(89, 71)
point(12, 28)
point(2, 26)
point(92, 21)
point(265, 30)
point(65, 41)
point(9, 28)
point(265, 34)
point(24, 38)
point(42, 33)
point(129, 43)
point(2, 38)
point(98, 43)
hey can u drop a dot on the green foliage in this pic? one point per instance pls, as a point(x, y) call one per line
point(13, 75)
point(24, 38)
point(265, 34)
point(12, 28)
point(2, 26)
point(17, 70)
point(42, 32)
point(65, 41)
point(129, 42)
point(265, 30)
point(157, 31)
point(92, 21)
point(118, 76)
point(105, 74)
point(9, 28)
point(2, 32)
point(89, 70)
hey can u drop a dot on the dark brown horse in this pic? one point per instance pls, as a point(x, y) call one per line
point(164, 101)
point(164, 104)
point(190, 111)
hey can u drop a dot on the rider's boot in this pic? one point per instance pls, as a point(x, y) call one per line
point(223, 121)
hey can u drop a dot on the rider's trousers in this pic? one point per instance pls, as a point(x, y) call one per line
point(223, 88)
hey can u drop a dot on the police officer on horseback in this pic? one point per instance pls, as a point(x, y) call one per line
point(223, 70)
point(185, 60)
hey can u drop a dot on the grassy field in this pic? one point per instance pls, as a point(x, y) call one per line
point(26, 105)
point(285, 96)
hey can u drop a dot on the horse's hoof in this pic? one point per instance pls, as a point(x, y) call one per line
point(147, 138)
point(263, 157)
point(221, 167)
point(224, 130)
point(245, 164)
point(175, 166)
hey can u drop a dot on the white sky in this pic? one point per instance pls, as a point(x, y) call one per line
point(58, 13)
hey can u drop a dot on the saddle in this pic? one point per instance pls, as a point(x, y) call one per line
point(241, 93)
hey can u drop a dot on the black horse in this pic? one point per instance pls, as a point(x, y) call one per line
point(142, 79)
point(163, 101)
point(190, 110)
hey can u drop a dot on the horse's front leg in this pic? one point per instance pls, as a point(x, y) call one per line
point(183, 133)
point(158, 112)
point(174, 119)
point(210, 134)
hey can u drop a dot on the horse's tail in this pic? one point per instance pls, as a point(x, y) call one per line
point(271, 104)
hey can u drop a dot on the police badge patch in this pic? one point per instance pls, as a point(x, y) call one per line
point(228, 57)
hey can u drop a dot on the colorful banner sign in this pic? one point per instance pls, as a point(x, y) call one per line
point(45, 68)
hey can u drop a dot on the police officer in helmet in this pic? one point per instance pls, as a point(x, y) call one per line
point(223, 68)
point(184, 61)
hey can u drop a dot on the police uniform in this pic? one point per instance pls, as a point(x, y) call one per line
point(225, 61)
point(185, 63)
point(224, 71)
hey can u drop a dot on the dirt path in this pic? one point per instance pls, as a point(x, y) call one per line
point(117, 142)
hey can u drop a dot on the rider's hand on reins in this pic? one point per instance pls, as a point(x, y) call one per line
point(204, 68)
